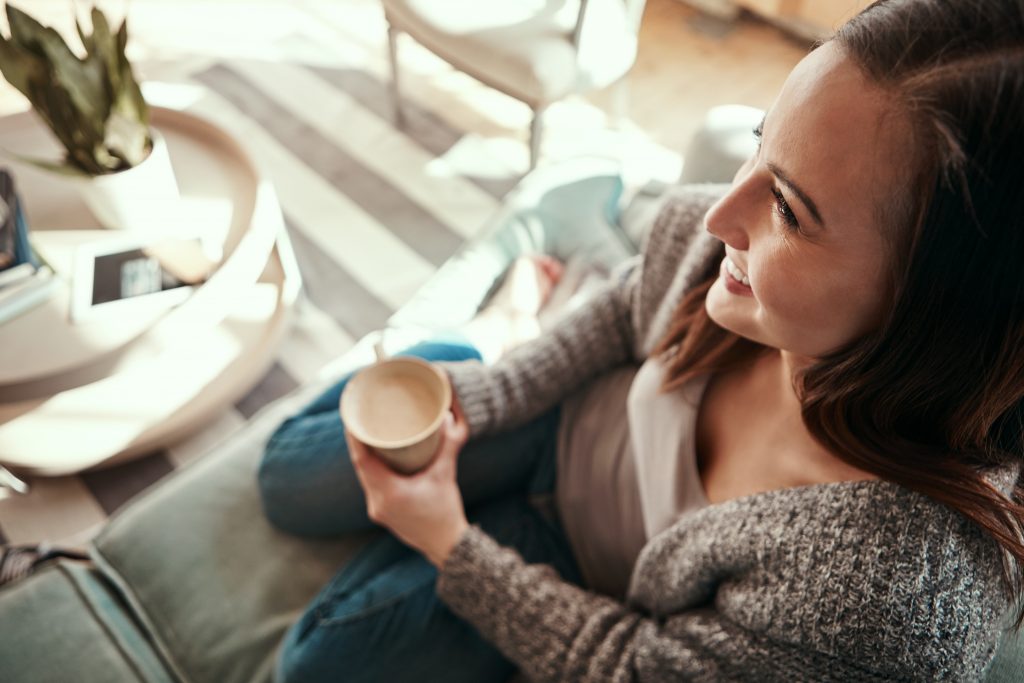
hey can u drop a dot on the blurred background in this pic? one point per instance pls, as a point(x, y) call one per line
point(303, 86)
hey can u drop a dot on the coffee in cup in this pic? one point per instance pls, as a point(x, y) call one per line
point(398, 407)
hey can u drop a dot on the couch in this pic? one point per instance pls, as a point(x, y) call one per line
point(188, 583)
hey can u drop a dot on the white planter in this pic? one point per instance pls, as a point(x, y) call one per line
point(124, 200)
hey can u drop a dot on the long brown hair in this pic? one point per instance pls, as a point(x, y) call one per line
point(933, 399)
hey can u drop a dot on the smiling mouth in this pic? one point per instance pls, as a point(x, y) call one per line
point(735, 271)
point(733, 285)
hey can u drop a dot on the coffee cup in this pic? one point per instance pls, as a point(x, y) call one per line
point(397, 407)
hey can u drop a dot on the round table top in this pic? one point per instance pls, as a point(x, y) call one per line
point(78, 395)
point(45, 342)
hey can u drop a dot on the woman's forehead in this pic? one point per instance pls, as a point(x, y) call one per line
point(841, 137)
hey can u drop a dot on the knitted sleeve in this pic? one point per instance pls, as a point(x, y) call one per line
point(614, 327)
point(533, 377)
point(556, 631)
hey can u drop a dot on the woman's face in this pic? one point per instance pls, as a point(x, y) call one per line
point(801, 220)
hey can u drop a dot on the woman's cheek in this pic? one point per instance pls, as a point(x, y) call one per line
point(783, 290)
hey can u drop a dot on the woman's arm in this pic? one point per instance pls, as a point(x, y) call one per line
point(556, 631)
point(610, 329)
point(533, 377)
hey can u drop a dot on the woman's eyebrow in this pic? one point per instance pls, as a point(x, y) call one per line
point(808, 202)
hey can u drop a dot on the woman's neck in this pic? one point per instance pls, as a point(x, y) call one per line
point(773, 374)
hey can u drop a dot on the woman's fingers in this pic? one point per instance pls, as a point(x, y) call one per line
point(552, 267)
point(369, 468)
point(373, 475)
point(460, 431)
point(455, 406)
point(459, 415)
point(355, 449)
point(550, 271)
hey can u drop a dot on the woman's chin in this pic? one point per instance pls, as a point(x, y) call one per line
point(727, 317)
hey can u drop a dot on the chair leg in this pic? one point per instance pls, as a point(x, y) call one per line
point(396, 97)
point(536, 127)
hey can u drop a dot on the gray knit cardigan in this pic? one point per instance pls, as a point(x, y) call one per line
point(851, 581)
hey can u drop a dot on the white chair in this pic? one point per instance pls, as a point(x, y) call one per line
point(538, 51)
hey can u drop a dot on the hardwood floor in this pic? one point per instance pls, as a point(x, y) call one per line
point(687, 62)
point(302, 82)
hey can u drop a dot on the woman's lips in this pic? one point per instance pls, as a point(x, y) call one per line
point(734, 285)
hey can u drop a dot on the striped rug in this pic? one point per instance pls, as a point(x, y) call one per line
point(371, 212)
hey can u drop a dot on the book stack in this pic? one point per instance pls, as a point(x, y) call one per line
point(25, 281)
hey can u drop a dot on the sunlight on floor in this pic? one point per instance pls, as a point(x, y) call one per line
point(171, 38)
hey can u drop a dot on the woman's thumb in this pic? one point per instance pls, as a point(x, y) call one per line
point(451, 444)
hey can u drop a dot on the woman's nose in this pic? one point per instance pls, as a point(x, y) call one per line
point(732, 216)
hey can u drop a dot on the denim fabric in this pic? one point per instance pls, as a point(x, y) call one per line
point(309, 488)
point(379, 619)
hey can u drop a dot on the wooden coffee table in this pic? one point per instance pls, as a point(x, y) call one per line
point(80, 395)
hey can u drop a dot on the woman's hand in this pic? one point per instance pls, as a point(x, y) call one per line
point(424, 509)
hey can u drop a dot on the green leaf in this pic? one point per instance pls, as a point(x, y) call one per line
point(105, 43)
point(25, 31)
point(87, 41)
point(108, 160)
point(93, 105)
point(130, 84)
point(126, 138)
point(79, 140)
point(53, 166)
point(83, 81)
point(20, 67)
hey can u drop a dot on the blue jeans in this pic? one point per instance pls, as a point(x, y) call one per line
point(379, 618)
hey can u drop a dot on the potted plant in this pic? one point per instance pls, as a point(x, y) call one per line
point(95, 108)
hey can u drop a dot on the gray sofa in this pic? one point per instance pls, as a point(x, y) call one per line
point(189, 583)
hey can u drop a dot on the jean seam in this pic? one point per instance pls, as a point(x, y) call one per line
point(368, 612)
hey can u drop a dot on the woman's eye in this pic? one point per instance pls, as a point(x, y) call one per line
point(785, 213)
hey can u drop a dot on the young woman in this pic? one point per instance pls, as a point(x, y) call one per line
point(787, 439)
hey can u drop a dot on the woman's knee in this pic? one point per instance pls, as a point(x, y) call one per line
point(276, 498)
point(309, 494)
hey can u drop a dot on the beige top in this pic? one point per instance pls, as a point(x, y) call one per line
point(627, 468)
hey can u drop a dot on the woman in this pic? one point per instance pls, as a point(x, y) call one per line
point(819, 376)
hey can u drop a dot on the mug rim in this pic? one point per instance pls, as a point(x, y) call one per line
point(419, 436)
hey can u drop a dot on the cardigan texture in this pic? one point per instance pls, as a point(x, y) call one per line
point(848, 581)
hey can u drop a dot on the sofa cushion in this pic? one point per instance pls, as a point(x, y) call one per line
point(1008, 665)
point(214, 584)
point(64, 623)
